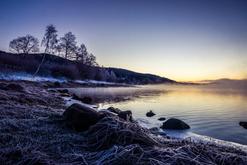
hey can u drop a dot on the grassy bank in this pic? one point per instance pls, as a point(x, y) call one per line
point(33, 131)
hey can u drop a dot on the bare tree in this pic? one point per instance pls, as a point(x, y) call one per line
point(68, 45)
point(25, 44)
point(81, 54)
point(91, 60)
point(58, 50)
point(50, 39)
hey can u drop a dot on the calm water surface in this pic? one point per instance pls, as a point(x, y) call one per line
point(210, 111)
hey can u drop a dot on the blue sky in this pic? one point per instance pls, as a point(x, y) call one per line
point(182, 40)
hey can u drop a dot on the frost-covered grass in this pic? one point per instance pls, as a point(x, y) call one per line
point(33, 131)
point(28, 77)
point(111, 141)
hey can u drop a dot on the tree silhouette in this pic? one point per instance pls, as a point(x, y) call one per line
point(50, 39)
point(81, 54)
point(25, 44)
point(91, 60)
point(68, 45)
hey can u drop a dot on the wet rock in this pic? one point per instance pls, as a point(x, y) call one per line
point(63, 90)
point(80, 117)
point(86, 99)
point(174, 123)
point(150, 113)
point(126, 115)
point(14, 87)
point(162, 119)
point(243, 124)
point(114, 110)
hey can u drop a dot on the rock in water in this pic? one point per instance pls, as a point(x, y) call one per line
point(243, 124)
point(81, 117)
point(174, 123)
point(14, 87)
point(126, 115)
point(150, 113)
point(161, 118)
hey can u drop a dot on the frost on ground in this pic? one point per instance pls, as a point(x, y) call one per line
point(28, 77)
point(32, 131)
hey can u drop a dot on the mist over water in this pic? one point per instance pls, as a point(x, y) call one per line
point(212, 110)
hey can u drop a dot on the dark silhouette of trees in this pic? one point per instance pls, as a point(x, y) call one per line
point(91, 60)
point(84, 57)
point(50, 39)
point(25, 44)
point(68, 45)
point(81, 53)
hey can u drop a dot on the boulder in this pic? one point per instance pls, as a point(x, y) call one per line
point(162, 119)
point(126, 115)
point(150, 113)
point(243, 124)
point(80, 117)
point(14, 87)
point(174, 123)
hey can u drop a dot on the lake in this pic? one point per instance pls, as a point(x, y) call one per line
point(209, 110)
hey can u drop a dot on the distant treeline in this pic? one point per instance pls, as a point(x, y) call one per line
point(63, 58)
point(59, 67)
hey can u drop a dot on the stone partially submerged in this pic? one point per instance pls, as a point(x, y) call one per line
point(243, 124)
point(150, 114)
point(175, 124)
point(80, 117)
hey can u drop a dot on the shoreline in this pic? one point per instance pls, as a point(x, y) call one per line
point(35, 112)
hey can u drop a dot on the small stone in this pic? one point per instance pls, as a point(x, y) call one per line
point(150, 113)
point(162, 119)
point(243, 124)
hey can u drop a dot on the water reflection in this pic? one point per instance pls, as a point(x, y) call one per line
point(209, 111)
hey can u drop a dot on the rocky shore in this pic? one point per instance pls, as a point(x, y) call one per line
point(36, 127)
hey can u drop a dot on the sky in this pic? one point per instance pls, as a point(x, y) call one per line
point(183, 40)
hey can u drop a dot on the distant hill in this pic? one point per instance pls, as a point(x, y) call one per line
point(58, 67)
point(128, 76)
